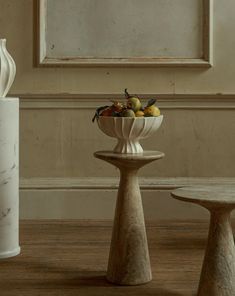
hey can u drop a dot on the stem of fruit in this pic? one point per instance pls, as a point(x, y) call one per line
point(127, 95)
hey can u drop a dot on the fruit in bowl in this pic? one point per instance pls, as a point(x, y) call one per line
point(129, 122)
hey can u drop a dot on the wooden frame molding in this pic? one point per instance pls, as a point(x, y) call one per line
point(42, 60)
point(91, 101)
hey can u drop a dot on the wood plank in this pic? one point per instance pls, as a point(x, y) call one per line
point(70, 258)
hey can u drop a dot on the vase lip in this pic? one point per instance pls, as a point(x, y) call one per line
point(3, 40)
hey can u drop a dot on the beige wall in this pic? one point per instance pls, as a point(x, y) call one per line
point(60, 177)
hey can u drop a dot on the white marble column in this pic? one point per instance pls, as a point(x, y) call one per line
point(9, 177)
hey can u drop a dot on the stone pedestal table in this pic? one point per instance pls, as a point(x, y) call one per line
point(129, 262)
point(218, 270)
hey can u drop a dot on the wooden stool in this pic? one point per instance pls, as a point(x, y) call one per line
point(129, 262)
point(218, 270)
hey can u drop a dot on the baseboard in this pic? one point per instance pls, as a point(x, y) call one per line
point(94, 198)
point(98, 183)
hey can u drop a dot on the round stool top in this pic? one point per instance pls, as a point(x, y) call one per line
point(146, 155)
point(207, 195)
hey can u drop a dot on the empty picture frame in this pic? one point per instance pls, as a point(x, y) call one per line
point(124, 33)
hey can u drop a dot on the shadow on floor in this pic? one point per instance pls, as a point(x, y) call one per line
point(50, 278)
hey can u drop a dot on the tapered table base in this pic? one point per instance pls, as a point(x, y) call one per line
point(218, 270)
point(129, 262)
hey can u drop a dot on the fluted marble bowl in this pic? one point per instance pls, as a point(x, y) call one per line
point(129, 130)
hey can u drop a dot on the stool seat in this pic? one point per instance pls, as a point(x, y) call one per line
point(136, 160)
point(207, 195)
point(218, 270)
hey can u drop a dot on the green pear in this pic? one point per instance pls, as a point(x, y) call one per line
point(128, 113)
point(134, 104)
point(151, 111)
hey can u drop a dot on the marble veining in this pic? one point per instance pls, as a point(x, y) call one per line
point(9, 177)
point(9, 158)
point(5, 213)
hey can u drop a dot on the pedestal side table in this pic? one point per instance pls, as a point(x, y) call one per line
point(218, 270)
point(129, 262)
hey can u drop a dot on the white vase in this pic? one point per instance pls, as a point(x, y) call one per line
point(7, 69)
point(9, 177)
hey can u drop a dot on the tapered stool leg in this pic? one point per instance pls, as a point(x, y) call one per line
point(129, 262)
point(218, 271)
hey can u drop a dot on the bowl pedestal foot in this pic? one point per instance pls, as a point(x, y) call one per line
point(128, 146)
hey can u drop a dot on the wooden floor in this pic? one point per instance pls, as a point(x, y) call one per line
point(70, 258)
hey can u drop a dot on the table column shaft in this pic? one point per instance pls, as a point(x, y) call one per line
point(218, 271)
point(129, 262)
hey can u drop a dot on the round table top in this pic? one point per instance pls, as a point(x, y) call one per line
point(207, 195)
point(146, 155)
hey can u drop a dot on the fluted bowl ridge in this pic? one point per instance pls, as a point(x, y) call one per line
point(129, 130)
